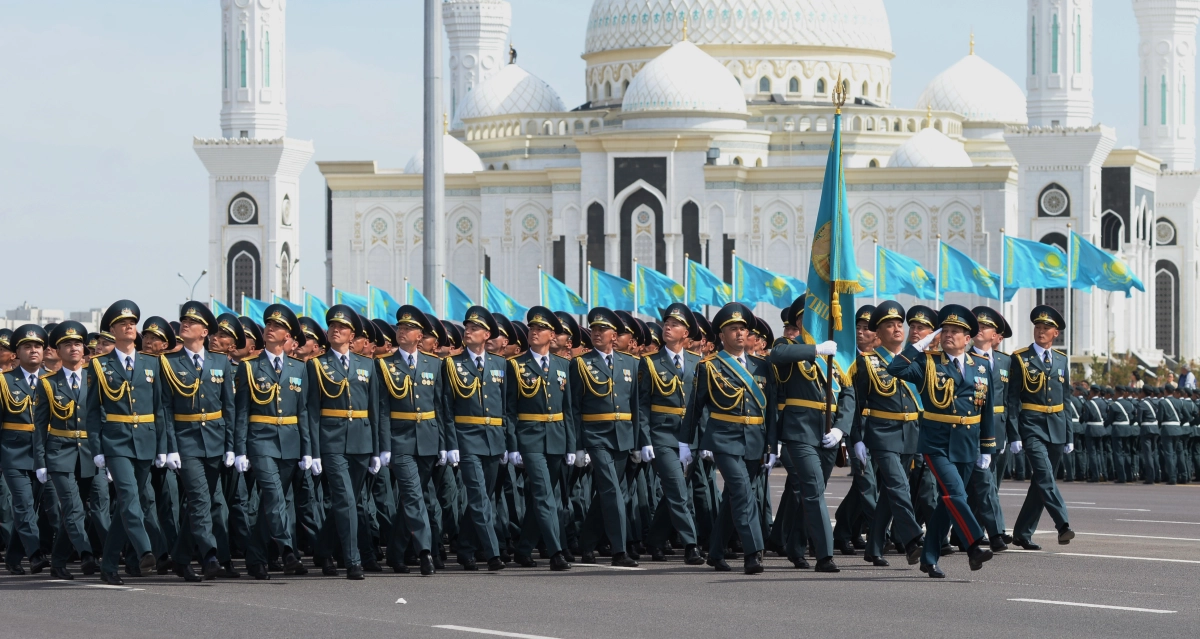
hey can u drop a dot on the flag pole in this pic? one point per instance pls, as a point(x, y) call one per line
point(445, 298)
point(937, 299)
point(482, 290)
point(1003, 249)
point(635, 287)
point(589, 285)
point(541, 292)
point(687, 276)
point(875, 293)
point(839, 99)
point(733, 269)
point(406, 290)
point(1068, 296)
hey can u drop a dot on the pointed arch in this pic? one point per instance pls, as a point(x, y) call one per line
point(530, 228)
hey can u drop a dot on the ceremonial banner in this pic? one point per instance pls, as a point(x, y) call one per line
point(254, 309)
point(962, 274)
point(656, 291)
point(1091, 264)
point(455, 300)
point(418, 299)
point(315, 308)
point(298, 309)
point(381, 305)
point(752, 285)
point(705, 288)
point(557, 296)
point(218, 308)
point(610, 291)
point(356, 302)
point(899, 273)
point(499, 302)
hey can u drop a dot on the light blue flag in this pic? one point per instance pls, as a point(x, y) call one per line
point(610, 291)
point(456, 301)
point(356, 302)
point(656, 291)
point(705, 288)
point(254, 309)
point(298, 309)
point(418, 299)
point(381, 305)
point(557, 296)
point(218, 308)
point(500, 303)
point(899, 273)
point(833, 273)
point(753, 285)
point(962, 274)
point(1091, 264)
point(315, 308)
point(1029, 264)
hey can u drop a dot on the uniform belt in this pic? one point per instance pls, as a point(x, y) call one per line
point(1120, 423)
point(746, 420)
point(1094, 423)
point(952, 419)
point(607, 417)
point(999, 410)
point(130, 419)
point(72, 434)
point(344, 414)
point(25, 428)
point(198, 417)
point(883, 414)
point(479, 421)
point(668, 410)
point(805, 403)
point(1042, 408)
point(1168, 423)
point(418, 416)
point(278, 421)
point(539, 417)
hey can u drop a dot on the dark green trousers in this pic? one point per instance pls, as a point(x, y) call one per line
point(672, 510)
point(545, 516)
point(1043, 459)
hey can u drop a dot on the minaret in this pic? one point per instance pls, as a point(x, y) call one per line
point(1058, 50)
point(254, 169)
point(1165, 86)
point(478, 35)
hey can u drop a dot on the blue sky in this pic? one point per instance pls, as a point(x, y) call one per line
point(103, 197)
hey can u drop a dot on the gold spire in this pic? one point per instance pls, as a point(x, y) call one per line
point(685, 28)
point(839, 96)
point(972, 42)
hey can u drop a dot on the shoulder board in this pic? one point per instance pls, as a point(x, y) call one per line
point(1063, 353)
point(293, 359)
point(433, 355)
point(1020, 350)
point(692, 352)
point(999, 352)
point(709, 358)
point(970, 360)
point(783, 341)
point(559, 357)
point(514, 357)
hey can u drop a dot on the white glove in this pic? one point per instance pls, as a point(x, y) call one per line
point(571, 457)
point(685, 454)
point(173, 461)
point(984, 461)
point(241, 463)
point(927, 340)
point(108, 474)
point(316, 466)
point(516, 460)
point(647, 453)
point(1068, 448)
point(636, 456)
point(769, 461)
point(860, 451)
point(831, 438)
point(441, 458)
point(587, 459)
point(580, 458)
point(42, 476)
point(305, 462)
point(98, 460)
point(706, 454)
point(1015, 446)
point(160, 461)
point(374, 466)
point(452, 457)
point(827, 348)
point(228, 458)
point(385, 458)
point(504, 458)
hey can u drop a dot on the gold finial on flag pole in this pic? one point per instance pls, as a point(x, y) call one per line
point(839, 96)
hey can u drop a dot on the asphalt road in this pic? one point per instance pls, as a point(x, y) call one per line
point(1133, 571)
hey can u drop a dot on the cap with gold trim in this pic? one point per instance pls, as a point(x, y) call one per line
point(158, 326)
point(921, 314)
point(706, 330)
point(887, 310)
point(764, 331)
point(631, 326)
point(253, 332)
point(27, 333)
point(1047, 315)
point(437, 328)
point(543, 317)
point(601, 317)
point(198, 312)
point(958, 315)
point(733, 313)
point(570, 327)
point(520, 336)
point(655, 330)
point(641, 332)
point(409, 315)
point(6, 338)
point(70, 330)
point(313, 331)
point(384, 332)
point(795, 312)
point(505, 326)
point(684, 315)
point(988, 316)
point(285, 317)
point(480, 316)
point(119, 310)
point(585, 337)
point(452, 335)
point(344, 315)
point(231, 325)
point(864, 313)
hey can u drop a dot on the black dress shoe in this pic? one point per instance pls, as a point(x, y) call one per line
point(38, 562)
point(291, 563)
point(186, 573)
point(426, 564)
point(147, 563)
point(211, 567)
point(800, 563)
point(631, 552)
point(259, 572)
point(14, 569)
point(329, 568)
point(913, 550)
point(1008, 539)
point(354, 572)
point(495, 563)
point(691, 556)
point(558, 562)
point(371, 565)
point(658, 555)
point(976, 555)
point(227, 571)
point(589, 557)
point(997, 544)
point(858, 542)
point(525, 561)
point(163, 566)
point(752, 565)
point(438, 562)
point(718, 564)
point(273, 565)
point(112, 579)
point(88, 566)
point(401, 568)
point(1025, 545)
point(568, 556)
point(1065, 535)
point(876, 561)
point(845, 547)
point(946, 550)
point(932, 570)
point(827, 565)
point(623, 560)
point(61, 573)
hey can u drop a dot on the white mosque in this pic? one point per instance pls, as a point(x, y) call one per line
point(706, 131)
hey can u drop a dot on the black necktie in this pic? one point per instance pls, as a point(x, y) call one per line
point(411, 363)
point(128, 364)
point(545, 365)
point(608, 360)
point(479, 363)
point(74, 381)
point(33, 381)
point(959, 365)
point(196, 359)
point(278, 365)
point(1046, 356)
point(345, 362)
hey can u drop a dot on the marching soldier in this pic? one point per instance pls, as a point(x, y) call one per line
point(127, 430)
point(1148, 435)
point(1093, 418)
point(539, 439)
point(1120, 416)
point(1171, 429)
point(1037, 395)
point(860, 501)
point(231, 526)
point(22, 453)
point(982, 491)
point(921, 320)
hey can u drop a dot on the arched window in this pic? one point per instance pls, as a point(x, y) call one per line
point(1055, 297)
point(866, 89)
point(641, 221)
point(690, 219)
point(505, 167)
point(737, 160)
point(1112, 231)
point(624, 87)
point(764, 84)
point(243, 209)
point(820, 86)
point(879, 91)
point(874, 164)
point(242, 271)
point(595, 235)
point(794, 85)
point(266, 65)
point(243, 57)
point(285, 272)
point(1166, 308)
point(846, 87)
point(758, 162)
point(607, 90)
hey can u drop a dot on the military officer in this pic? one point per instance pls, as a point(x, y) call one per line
point(199, 417)
point(956, 427)
point(1037, 394)
point(883, 429)
point(604, 402)
point(127, 430)
point(1148, 435)
point(1171, 429)
point(22, 452)
point(1121, 417)
point(272, 436)
point(860, 501)
point(8, 357)
point(539, 439)
point(343, 403)
point(474, 388)
point(413, 437)
point(982, 491)
point(1093, 418)
point(664, 381)
point(921, 320)
point(60, 413)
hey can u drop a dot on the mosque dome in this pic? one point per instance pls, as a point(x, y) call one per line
point(929, 148)
point(684, 78)
point(456, 158)
point(978, 91)
point(511, 90)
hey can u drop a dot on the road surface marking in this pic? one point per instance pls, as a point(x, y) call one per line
point(1094, 534)
point(579, 565)
point(1077, 604)
point(1084, 503)
point(1136, 510)
point(497, 633)
point(104, 586)
point(1156, 521)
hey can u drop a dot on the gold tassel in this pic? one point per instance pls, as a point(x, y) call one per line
point(837, 311)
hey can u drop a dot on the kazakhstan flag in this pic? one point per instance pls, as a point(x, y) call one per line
point(219, 309)
point(962, 274)
point(356, 302)
point(833, 275)
point(315, 308)
point(298, 309)
point(1029, 264)
point(610, 291)
point(457, 302)
point(557, 296)
point(705, 288)
point(254, 309)
point(381, 305)
point(498, 302)
point(417, 299)
point(656, 291)
point(1091, 264)
point(899, 273)
point(754, 285)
